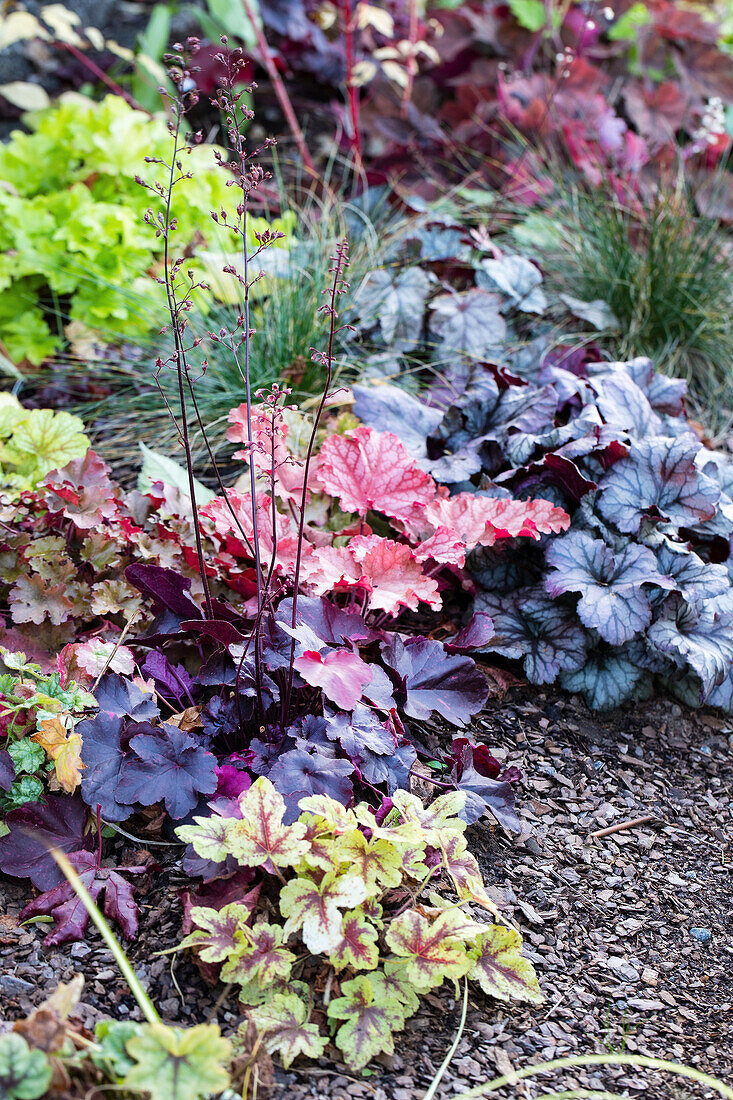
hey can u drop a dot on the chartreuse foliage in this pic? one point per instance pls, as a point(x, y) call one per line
point(35, 441)
point(73, 239)
point(352, 891)
point(25, 1074)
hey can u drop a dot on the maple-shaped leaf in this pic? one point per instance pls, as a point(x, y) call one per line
point(96, 655)
point(314, 909)
point(260, 957)
point(178, 1063)
point(64, 749)
point(432, 680)
point(432, 949)
point(376, 861)
point(59, 822)
point(358, 948)
point(284, 1023)
point(372, 1015)
point(698, 633)
point(33, 600)
point(391, 981)
point(517, 278)
point(332, 815)
point(298, 773)
point(367, 470)
point(501, 970)
point(82, 491)
point(464, 872)
point(120, 696)
point(340, 674)
point(218, 932)
point(529, 624)
point(209, 837)
point(332, 625)
point(436, 820)
point(393, 575)
point(658, 474)
point(612, 599)
point(170, 766)
point(397, 303)
point(260, 835)
point(69, 912)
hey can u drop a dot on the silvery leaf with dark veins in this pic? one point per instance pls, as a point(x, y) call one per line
point(530, 625)
point(698, 634)
point(607, 679)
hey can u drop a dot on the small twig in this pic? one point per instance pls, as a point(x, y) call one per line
point(119, 642)
point(623, 825)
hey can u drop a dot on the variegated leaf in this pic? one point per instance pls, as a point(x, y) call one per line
point(358, 948)
point(260, 835)
point(500, 968)
point(284, 1023)
point(315, 908)
point(372, 1016)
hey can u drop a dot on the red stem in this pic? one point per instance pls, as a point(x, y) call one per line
point(353, 91)
point(280, 89)
point(411, 65)
point(101, 75)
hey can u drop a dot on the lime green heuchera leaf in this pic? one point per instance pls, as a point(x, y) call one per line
point(208, 837)
point(372, 1014)
point(322, 851)
point(376, 861)
point(259, 957)
point(393, 981)
point(219, 932)
point(358, 948)
point(177, 1064)
point(436, 818)
point(36, 441)
point(286, 1028)
point(333, 815)
point(261, 835)
point(112, 1037)
point(433, 949)
point(315, 908)
point(500, 968)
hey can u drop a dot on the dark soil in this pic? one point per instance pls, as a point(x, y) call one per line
point(608, 922)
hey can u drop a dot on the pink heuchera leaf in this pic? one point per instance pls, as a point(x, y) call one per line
point(288, 470)
point(389, 571)
point(230, 535)
point(82, 491)
point(367, 470)
point(480, 521)
point(341, 675)
point(95, 655)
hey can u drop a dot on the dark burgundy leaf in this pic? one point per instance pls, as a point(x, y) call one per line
point(171, 681)
point(476, 633)
point(57, 823)
point(120, 905)
point(433, 680)
point(329, 623)
point(120, 697)
point(483, 793)
point(167, 766)
point(167, 589)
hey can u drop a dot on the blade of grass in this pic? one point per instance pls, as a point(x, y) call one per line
point(442, 1068)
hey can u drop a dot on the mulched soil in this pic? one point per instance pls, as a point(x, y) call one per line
point(608, 922)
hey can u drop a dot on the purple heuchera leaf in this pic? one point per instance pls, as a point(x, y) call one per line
point(57, 823)
point(359, 731)
point(529, 625)
point(484, 793)
point(299, 773)
point(612, 600)
point(105, 754)
point(698, 633)
point(172, 681)
point(660, 476)
point(477, 632)
point(330, 624)
point(118, 696)
point(167, 589)
point(7, 771)
point(433, 680)
point(168, 766)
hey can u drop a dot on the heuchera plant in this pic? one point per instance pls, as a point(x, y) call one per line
point(350, 889)
point(641, 586)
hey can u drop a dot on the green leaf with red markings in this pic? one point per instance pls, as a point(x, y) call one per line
point(464, 872)
point(391, 980)
point(314, 909)
point(208, 836)
point(500, 968)
point(433, 949)
point(285, 1026)
point(260, 957)
point(372, 1015)
point(359, 948)
point(261, 835)
point(219, 932)
point(378, 862)
point(434, 819)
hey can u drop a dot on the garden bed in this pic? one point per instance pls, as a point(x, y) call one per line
point(607, 921)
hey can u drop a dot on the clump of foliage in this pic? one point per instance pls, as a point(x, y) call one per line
point(664, 274)
point(74, 245)
point(641, 586)
point(35, 441)
point(348, 888)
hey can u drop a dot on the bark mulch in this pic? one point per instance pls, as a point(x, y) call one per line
point(630, 932)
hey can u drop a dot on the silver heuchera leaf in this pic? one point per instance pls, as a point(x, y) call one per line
point(517, 279)
point(469, 322)
point(612, 600)
point(531, 626)
point(658, 474)
point(698, 633)
point(698, 579)
point(607, 679)
point(398, 304)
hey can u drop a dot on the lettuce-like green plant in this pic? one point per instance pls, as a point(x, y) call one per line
point(72, 228)
point(355, 892)
point(35, 441)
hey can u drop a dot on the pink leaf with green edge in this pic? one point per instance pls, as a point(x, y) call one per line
point(358, 948)
point(372, 1016)
point(431, 948)
point(259, 957)
point(260, 836)
point(500, 968)
point(375, 861)
point(219, 931)
point(208, 837)
point(367, 470)
point(284, 1023)
point(464, 872)
point(341, 675)
point(314, 909)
